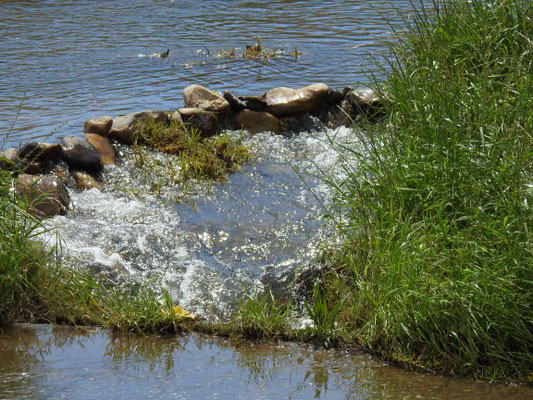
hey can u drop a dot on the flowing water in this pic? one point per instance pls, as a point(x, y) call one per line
point(66, 61)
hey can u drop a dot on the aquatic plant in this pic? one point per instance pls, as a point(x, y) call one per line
point(436, 211)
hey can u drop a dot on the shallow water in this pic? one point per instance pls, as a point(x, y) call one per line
point(66, 61)
point(50, 362)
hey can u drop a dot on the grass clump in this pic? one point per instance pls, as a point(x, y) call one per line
point(436, 209)
point(264, 316)
point(212, 158)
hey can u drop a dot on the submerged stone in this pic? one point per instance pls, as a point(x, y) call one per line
point(256, 121)
point(84, 181)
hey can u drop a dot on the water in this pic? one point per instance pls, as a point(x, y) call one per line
point(66, 61)
point(49, 362)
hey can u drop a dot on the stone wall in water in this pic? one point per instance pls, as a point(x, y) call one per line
point(45, 168)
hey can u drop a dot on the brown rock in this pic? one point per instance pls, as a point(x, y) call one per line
point(104, 147)
point(197, 96)
point(205, 121)
point(125, 127)
point(256, 121)
point(99, 125)
point(286, 102)
point(39, 152)
point(81, 155)
point(84, 181)
point(46, 195)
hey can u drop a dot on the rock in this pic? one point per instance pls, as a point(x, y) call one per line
point(46, 195)
point(84, 181)
point(39, 152)
point(256, 121)
point(334, 114)
point(205, 121)
point(125, 127)
point(176, 118)
point(363, 101)
point(79, 154)
point(98, 125)
point(235, 103)
point(103, 146)
point(197, 96)
point(286, 102)
point(10, 160)
point(254, 103)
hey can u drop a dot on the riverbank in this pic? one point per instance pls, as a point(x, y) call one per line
point(436, 210)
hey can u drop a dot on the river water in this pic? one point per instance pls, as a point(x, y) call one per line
point(50, 362)
point(66, 61)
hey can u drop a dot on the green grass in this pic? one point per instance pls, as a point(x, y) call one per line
point(199, 158)
point(436, 206)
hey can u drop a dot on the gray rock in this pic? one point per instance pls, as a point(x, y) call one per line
point(99, 125)
point(46, 195)
point(125, 127)
point(286, 102)
point(197, 96)
point(363, 101)
point(79, 154)
point(10, 160)
point(205, 121)
point(256, 121)
point(176, 118)
point(103, 146)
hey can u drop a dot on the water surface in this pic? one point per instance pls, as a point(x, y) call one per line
point(50, 362)
point(66, 61)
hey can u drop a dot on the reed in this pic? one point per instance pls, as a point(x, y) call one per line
point(436, 207)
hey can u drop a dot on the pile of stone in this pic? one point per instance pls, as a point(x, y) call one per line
point(48, 166)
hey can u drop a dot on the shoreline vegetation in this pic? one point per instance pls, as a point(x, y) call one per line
point(436, 267)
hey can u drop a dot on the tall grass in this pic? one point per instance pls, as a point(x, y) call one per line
point(437, 209)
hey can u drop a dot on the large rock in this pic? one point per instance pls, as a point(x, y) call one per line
point(205, 121)
point(10, 160)
point(39, 152)
point(79, 154)
point(103, 146)
point(99, 125)
point(46, 195)
point(286, 102)
point(197, 96)
point(256, 121)
point(125, 127)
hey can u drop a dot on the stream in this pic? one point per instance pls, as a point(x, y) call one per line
point(66, 61)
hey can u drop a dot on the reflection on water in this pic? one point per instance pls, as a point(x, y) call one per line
point(48, 362)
